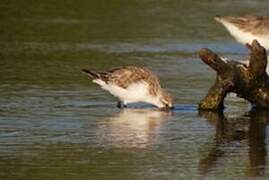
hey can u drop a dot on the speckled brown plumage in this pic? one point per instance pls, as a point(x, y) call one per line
point(250, 23)
point(125, 76)
point(132, 84)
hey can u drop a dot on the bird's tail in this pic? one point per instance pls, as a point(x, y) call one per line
point(92, 73)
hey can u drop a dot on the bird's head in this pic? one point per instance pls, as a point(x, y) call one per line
point(166, 100)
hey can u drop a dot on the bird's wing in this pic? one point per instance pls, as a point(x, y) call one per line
point(126, 76)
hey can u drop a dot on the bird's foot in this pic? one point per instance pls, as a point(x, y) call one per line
point(121, 105)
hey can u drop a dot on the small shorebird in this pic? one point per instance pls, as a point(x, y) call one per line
point(132, 84)
point(245, 29)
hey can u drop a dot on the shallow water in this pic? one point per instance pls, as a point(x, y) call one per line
point(56, 124)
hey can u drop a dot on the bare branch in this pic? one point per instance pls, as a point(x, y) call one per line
point(248, 82)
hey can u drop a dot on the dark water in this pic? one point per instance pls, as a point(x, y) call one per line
point(55, 124)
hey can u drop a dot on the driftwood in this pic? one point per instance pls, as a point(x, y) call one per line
point(247, 81)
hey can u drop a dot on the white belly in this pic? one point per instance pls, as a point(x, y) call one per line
point(134, 93)
point(246, 37)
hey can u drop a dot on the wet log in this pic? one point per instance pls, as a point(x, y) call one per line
point(249, 81)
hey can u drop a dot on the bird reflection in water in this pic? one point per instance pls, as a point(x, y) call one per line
point(250, 128)
point(134, 128)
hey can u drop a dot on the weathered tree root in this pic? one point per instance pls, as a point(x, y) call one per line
point(248, 81)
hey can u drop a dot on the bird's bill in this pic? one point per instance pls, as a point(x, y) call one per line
point(167, 108)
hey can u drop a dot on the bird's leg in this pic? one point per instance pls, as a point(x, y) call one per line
point(121, 105)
